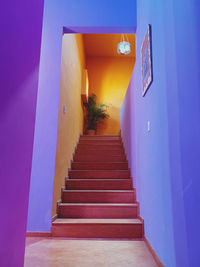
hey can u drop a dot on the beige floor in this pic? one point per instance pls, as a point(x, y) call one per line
point(52, 252)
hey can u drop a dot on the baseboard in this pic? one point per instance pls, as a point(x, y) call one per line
point(58, 202)
point(142, 220)
point(54, 217)
point(38, 234)
point(138, 210)
point(156, 258)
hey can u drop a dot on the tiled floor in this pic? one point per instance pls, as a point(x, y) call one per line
point(55, 252)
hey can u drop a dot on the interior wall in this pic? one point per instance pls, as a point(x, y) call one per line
point(70, 120)
point(21, 29)
point(108, 79)
point(56, 16)
point(148, 151)
point(188, 101)
point(164, 161)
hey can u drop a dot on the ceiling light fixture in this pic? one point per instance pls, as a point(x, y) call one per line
point(124, 47)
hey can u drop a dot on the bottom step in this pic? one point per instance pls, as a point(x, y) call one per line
point(98, 228)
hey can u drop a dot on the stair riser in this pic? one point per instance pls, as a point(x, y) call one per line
point(103, 158)
point(100, 147)
point(99, 185)
point(99, 166)
point(99, 174)
point(96, 212)
point(100, 152)
point(98, 230)
point(98, 197)
point(101, 142)
point(100, 138)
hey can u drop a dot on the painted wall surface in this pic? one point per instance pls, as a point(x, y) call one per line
point(164, 161)
point(188, 81)
point(21, 30)
point(108, 79)
point(70, 121)
point(91, 16)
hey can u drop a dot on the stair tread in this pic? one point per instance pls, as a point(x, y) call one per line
point(88, 180)
point(99, 221)
point(87, 142)
point(99, 139)
point(101, 135)
point(99, 204)
point(96, 191)
point(98, 170)
point(99, 179)
point(110, 162)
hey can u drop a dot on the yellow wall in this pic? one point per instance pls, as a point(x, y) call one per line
point(70, 124)
point(109, 78)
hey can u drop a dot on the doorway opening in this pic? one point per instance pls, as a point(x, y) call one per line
point(90, 64)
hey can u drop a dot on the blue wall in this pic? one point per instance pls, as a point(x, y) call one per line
point(104, 16)
point(165, 160)
point(187, 45)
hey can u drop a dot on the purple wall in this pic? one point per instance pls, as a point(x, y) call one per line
point(101, 16)
point(21, 27)
point(165, 161)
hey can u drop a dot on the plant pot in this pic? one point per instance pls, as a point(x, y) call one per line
point(91, 132)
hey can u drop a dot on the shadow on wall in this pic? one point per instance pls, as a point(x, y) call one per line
point(112, 122)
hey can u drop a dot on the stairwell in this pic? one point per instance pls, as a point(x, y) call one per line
point(99, 199)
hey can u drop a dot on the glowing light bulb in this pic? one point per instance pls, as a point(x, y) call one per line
point(124, 48)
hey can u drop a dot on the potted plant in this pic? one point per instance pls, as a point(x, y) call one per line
point(95, 113)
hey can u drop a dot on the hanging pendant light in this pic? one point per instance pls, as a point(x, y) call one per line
point(124, 47)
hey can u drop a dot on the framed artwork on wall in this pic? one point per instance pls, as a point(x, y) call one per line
point(146, 57)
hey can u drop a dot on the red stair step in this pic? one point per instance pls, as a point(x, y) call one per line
point(98, 211)
point(99, 166)
point(100, 142)
point(101, 184)
point(98, 228)
point(98, 196)
point(99, 199)
point(99, 152)
point(99, 158)
point(100, 137)
point(119, 174)
point(101, 147)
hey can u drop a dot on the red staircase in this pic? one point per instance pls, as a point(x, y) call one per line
point(99, 199)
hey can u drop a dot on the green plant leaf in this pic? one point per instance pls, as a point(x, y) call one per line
point(95, 112)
